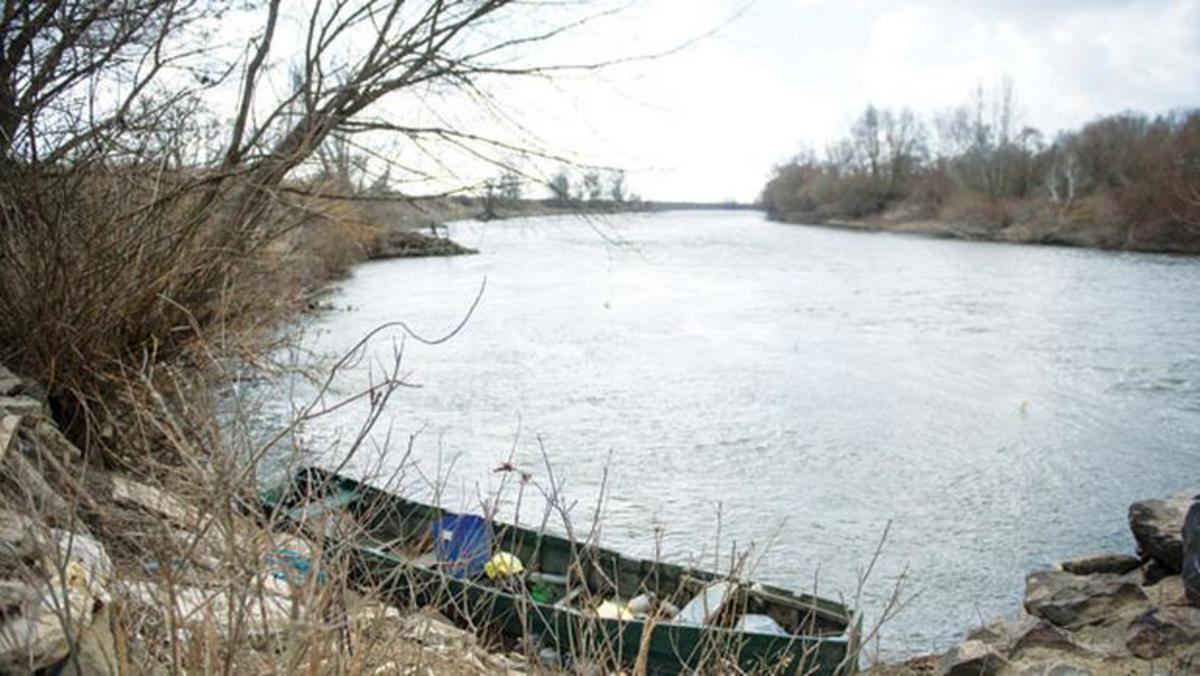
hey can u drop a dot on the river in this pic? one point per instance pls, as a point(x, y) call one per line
point(794, 387)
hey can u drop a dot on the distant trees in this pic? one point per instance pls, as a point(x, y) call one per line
point(616, 187)
point(505, 190)
point(1122, 177)
point(986, 149)
point(882, 151)
point(560, 187)
point(510, 185)
point(594, 189)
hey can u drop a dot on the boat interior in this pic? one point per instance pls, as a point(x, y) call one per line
point(553, 570)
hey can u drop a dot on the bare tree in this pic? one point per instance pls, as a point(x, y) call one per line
point(868, 144)
point(904, 143)
point(133, 218)
point(56, 54)
point(593, 189)
point(510, 185)
point(988, 156)
point(885, 148)
point(560, 186)
point(616, 187)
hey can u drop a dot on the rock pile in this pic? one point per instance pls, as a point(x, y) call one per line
point(1101, 614)
point(54, 578)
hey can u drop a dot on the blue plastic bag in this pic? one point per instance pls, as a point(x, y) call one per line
point(463, 544)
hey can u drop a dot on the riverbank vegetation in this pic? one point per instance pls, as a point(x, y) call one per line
point(164, 202)
point(1124, 181)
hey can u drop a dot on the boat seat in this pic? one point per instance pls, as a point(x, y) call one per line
point(426, 560)
point(565, 601)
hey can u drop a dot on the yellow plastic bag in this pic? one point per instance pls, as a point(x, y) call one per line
point(503, 564)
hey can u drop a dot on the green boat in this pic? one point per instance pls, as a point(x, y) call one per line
point(576, 602)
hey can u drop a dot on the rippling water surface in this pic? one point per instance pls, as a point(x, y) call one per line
point(801, 387)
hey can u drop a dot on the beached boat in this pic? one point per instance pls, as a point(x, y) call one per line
point(579, 601)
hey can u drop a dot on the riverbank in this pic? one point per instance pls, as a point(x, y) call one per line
point(1123, 182)
point(1110, 613)
point(414, 228)
point(1163, 237)
point(108, 572)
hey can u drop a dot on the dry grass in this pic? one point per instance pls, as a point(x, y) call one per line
point(111, 279)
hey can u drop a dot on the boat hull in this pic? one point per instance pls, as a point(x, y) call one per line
point(511, 616)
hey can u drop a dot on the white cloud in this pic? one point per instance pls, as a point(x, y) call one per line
point(713, 120)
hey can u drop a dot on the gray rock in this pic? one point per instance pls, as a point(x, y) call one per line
point(148, 498)
point(1073, 601)
point(1188, 662)
point(18, 539)
point(20, 405)
point(82, 549)
point(1166, 592)
point(51, 440)
point(263, 615)
point(1015, 637)
point(1160, 631)
point(1157, 527)
point(9, 383)
point(971, 658)
point(15, 595)
point(1041, 634)
point(39, 633)
point(25, 477)
point(8, 432)
point(1152, 572)
point(1191, 555)
point(1113, 564)
point(1056, 669)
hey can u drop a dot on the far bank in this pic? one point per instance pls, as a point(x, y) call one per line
point(1159, 237)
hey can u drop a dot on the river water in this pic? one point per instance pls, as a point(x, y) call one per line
point(795, 388)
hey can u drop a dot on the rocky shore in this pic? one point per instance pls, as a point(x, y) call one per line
point(1111, 613)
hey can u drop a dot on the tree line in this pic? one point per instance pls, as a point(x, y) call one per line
point(590, 187)
point(1128, 180)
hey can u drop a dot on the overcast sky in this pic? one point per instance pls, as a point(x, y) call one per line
point(708, 122)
